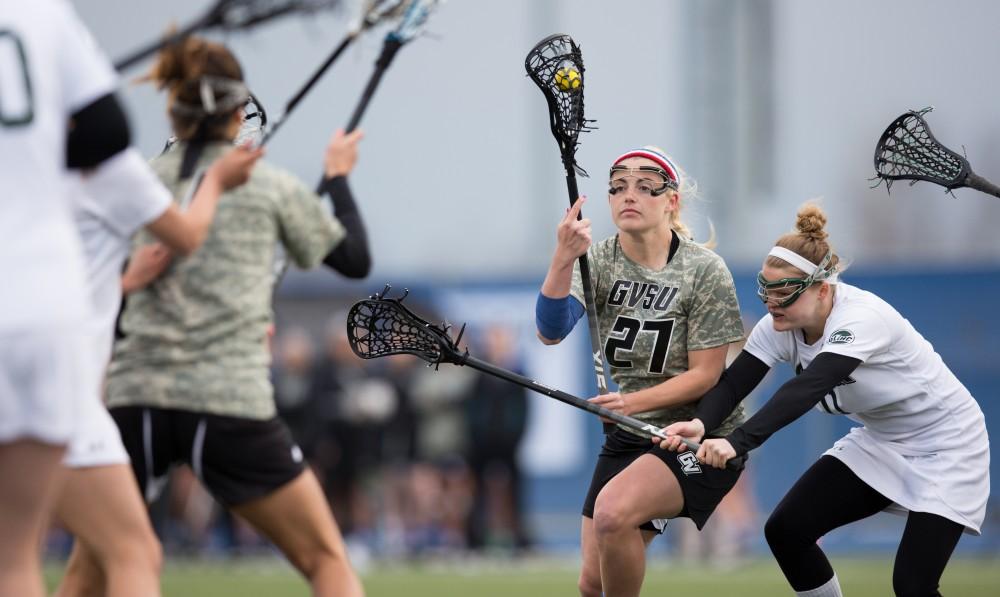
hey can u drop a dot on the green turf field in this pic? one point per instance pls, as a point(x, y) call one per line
point(551, 578)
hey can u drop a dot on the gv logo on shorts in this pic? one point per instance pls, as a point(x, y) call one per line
point(689, 463)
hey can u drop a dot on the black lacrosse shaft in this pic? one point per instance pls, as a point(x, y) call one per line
point(389, 49)
point(292, 103)
point(213, 18)
point(588, 292)
point(974, 181)
point(156, 46)
point(630, 422)
point(588, 296)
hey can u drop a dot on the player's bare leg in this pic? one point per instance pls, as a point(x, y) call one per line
point(83, 575)
point(102, 507)
point(645, 490)
point(589, 582)
point(30, 471)
point(297, 518)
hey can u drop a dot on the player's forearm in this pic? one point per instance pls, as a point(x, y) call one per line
point(793, 399)
point(559, 279)
point(351, 257)
point(200, 214)
point(129, 284)
point(737, 381)
point(680, 389)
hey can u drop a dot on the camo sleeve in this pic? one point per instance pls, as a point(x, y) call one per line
point(307, 231)
point(714, 318)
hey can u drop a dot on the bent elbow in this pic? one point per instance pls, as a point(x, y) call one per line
point(547, 341)
point(709, 380)
point(186, 245)
point(360, 270)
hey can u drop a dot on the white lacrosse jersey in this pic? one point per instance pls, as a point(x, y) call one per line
point(105, 218)
point(923, 443)
point(50, 67)
point(106, 222)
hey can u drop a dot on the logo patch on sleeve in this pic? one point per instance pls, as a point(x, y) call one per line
point(841, 337)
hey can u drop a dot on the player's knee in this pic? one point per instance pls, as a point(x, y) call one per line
point(140, 552)
point(779, 530)
point(609, 518)
point(912, 584)
point(310, 562)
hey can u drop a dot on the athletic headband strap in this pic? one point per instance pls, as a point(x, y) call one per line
point(795, 259)
point(234, 94)
point(663, 161)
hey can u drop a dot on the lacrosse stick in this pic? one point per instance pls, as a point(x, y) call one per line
point(229, 15)
point(376, 12)
point(908, 151)
point(411, 24)
point(380, 326)
point(555, 64)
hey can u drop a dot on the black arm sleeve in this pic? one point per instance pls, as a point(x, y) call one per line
point(737, 381)
point(793, 399)
point(98, 131)
point(351, 256)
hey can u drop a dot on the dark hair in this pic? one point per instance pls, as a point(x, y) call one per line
point(182, 69)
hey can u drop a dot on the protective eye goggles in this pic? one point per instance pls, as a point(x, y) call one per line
point(784, 292)
point(651, 187)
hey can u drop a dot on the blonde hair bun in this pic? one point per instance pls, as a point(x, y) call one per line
point(810, 222)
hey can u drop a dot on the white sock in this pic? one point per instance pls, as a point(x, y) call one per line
point(830, 588)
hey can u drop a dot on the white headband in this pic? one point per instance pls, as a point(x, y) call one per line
point(810, 268)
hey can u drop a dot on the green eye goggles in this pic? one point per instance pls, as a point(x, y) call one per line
point(784, 292)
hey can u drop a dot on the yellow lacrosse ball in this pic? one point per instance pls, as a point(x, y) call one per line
point(568, 79)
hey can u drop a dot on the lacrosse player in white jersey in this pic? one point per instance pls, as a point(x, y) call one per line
point(50, 70)
point(922, 450)
point(100, 502)
point(57, 110)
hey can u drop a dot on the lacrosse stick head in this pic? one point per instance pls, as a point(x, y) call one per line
point(555, 64)
point(380, 326)
point(908, 151)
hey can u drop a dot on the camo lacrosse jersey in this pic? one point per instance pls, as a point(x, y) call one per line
point(649, 320)
point(196, 339)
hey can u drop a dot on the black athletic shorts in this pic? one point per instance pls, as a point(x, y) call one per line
point(703, 486)
point(238, 460)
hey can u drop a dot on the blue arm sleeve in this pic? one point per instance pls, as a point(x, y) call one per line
point(555, 318)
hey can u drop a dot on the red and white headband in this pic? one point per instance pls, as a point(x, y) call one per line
point(662, 160)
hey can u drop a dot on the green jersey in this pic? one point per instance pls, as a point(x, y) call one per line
point(649, 320)
point(196, 338)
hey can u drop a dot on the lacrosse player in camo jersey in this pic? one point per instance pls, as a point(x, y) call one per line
point(189, 383)
point(667, 312)
point(922, 450)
